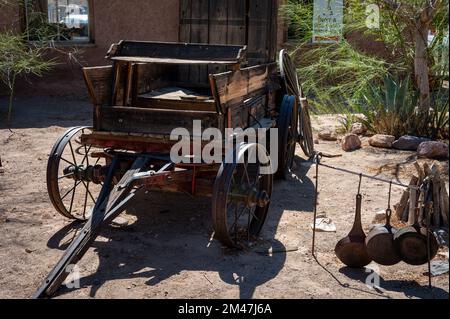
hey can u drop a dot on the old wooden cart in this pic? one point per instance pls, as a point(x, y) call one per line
point(150, 89)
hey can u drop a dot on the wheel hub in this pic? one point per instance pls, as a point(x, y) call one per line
point(83, 173)
point(252, 198)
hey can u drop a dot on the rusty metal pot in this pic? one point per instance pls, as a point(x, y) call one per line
point(417, 245)
point(380, 243)
point(351, 250)
point(411, 244)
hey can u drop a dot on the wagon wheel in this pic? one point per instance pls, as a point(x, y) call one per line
point(241, 196)
point(293, 87)
point(71, 192)
point(287, 137)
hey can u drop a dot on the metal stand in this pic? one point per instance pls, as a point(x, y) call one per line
point(317, 158)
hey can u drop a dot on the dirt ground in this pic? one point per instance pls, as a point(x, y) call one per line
point(166, 252)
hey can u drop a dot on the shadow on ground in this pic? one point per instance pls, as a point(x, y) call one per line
point(46, 111)
point(411, 289)
point(172, 234)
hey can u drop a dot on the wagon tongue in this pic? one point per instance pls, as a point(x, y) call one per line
point(111, 203)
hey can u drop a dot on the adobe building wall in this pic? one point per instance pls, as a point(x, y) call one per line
point(114, 20)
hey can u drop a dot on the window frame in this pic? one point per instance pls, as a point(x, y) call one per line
point(42, 6)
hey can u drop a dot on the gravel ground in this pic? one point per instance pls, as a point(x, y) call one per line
point(166, 252)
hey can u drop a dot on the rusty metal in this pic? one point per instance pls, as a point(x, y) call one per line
point(111, 202)
point(380, 240)
point(352, 250)
point(68, 165)
point(241, 198)
point(287, 136)
point(416, 245)
point(317, 160)
point(301, 112)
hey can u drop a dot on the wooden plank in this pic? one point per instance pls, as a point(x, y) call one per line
point(258, 31)
point(156, 121)
point(208, 106)
point(444, 203)
point(236, 27)
point(98, 82)
point(199, 34)
point(234, 86)
point(138, 59)
point(273, 42)
point(185, 34)
point(118, 83)
point(185, 21)
point(218, 22)
point(181, 51)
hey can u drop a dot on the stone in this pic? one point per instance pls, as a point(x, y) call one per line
point(382, 141)
point(433, 150)
point(120, 222)
point(409, 143)
point(351, 142)
point(359, 129)
point(324, 225)
point(380, 217)
point(328, 135)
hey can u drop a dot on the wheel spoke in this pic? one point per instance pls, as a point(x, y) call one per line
point(89, 192)
point(86, 157)
point(75, 186)
point(85, 199)
point(247, 176)
point(73, 153)
point(65, 176)
point(73, 197)
point(238, 217)
point(68, 162)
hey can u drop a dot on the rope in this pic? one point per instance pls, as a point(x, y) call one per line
point(317, 161)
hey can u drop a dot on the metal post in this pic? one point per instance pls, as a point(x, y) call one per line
point(316, 197)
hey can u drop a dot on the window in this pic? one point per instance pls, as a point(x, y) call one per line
point(58, 20)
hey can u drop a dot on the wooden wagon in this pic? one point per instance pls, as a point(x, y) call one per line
point(153, 88)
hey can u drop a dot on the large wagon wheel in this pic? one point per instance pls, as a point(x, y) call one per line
point(72, 192)
point(293, 87)
point(241, 196)
point(287, 136)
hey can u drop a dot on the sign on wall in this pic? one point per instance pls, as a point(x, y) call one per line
point(328, 23)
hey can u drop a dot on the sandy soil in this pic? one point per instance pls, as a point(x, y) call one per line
point(165, 251)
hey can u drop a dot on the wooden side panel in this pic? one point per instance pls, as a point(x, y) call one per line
point(153, 121)
point(243, 95)
point(234, 86)
point(98, 81)
point(152, 76)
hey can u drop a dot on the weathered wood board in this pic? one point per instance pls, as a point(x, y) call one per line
point(237, 22)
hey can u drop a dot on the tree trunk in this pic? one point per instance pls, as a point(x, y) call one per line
point(421, 66)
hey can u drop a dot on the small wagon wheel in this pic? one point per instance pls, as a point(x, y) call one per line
point(293, 87)
point(241, 196)
point(71, 191)
point(287, 136)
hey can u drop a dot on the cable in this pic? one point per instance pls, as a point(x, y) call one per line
point(318, 155)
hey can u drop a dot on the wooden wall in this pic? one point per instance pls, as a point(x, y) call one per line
point(250, 22)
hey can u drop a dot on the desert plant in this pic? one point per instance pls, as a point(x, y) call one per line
point(393, 109)
point(340, 77)
point(18, 58)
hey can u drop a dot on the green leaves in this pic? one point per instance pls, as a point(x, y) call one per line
point(18, 58)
